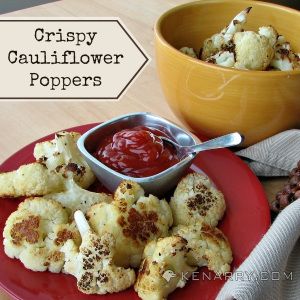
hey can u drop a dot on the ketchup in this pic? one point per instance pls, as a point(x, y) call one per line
point(136, 152)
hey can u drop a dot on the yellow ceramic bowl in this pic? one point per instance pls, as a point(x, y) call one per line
point(215, 100)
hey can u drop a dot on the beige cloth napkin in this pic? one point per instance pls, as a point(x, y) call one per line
point(275, 156)
point(272, 270)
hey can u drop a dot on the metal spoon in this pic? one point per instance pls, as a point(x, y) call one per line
point(224, 141)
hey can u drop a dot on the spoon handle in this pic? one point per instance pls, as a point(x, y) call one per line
point(228, 140)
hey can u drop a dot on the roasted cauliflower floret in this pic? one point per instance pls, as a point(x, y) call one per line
point(270, 33)
point(252, 50)
point(57, 160)
point(223, 40)
point(30, 180)
point(208, 247)
point(133, 219)
point(285, 59)
point(163, 269)
point(75, 198)
point(93, 264)
point(62, 155)
point(128, 191)
point(234, 47)
point(188, 51)
point(223, 58)
point(35, 233)
point(196, 199)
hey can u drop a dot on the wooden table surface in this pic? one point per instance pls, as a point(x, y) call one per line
point(24, 122)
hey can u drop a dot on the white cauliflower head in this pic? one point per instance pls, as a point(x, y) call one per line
point(35, 233)
point(164, 268)
point(196, 199)
point(93, 264)
point(133, 219)
point(208, 246)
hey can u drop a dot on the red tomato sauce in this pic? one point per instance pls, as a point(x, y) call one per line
point(136, 152)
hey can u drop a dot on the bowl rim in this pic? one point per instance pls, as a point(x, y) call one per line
point(175, 51)
point(87, 155)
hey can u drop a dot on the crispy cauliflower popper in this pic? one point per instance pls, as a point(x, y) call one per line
point(285, 59)
point(36, 232)
point(56, 160)
point(208, 246)
point(123, 230)
point(237, 48)
point(222, 41)
point(93, 264)
point(76, 198)
point(196, 199)
point(133, 219)
point(30, 180)
point(61, 154)
point(252, 51)
point(188, 51)
point(163, 269)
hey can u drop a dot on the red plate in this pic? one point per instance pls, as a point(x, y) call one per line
point(247, 219)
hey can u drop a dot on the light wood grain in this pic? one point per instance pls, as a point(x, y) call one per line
point(24, 122)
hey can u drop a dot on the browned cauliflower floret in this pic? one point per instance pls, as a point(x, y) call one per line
point(35, 233)
point(76, 198)
point(270, 33)
point(223, 58)
point(133, 219)
point(252, 50)
point(163, 269)
point(93, 264)
point(234, 47)
point(188, 51)
point(223, 40)
point(285, 59)
point(208, 246)
point(62, 155)
point(30, 180)
point(196, 199)
point(57, 160)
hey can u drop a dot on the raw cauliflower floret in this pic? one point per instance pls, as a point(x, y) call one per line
point(163, 269)
point(223, 40)
point(76, 198)
point(93, 264)
point(62, 155)
point(35, 233)
point(196, 199)
point(133, 219)
point(252, 50)
point(208, 247)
